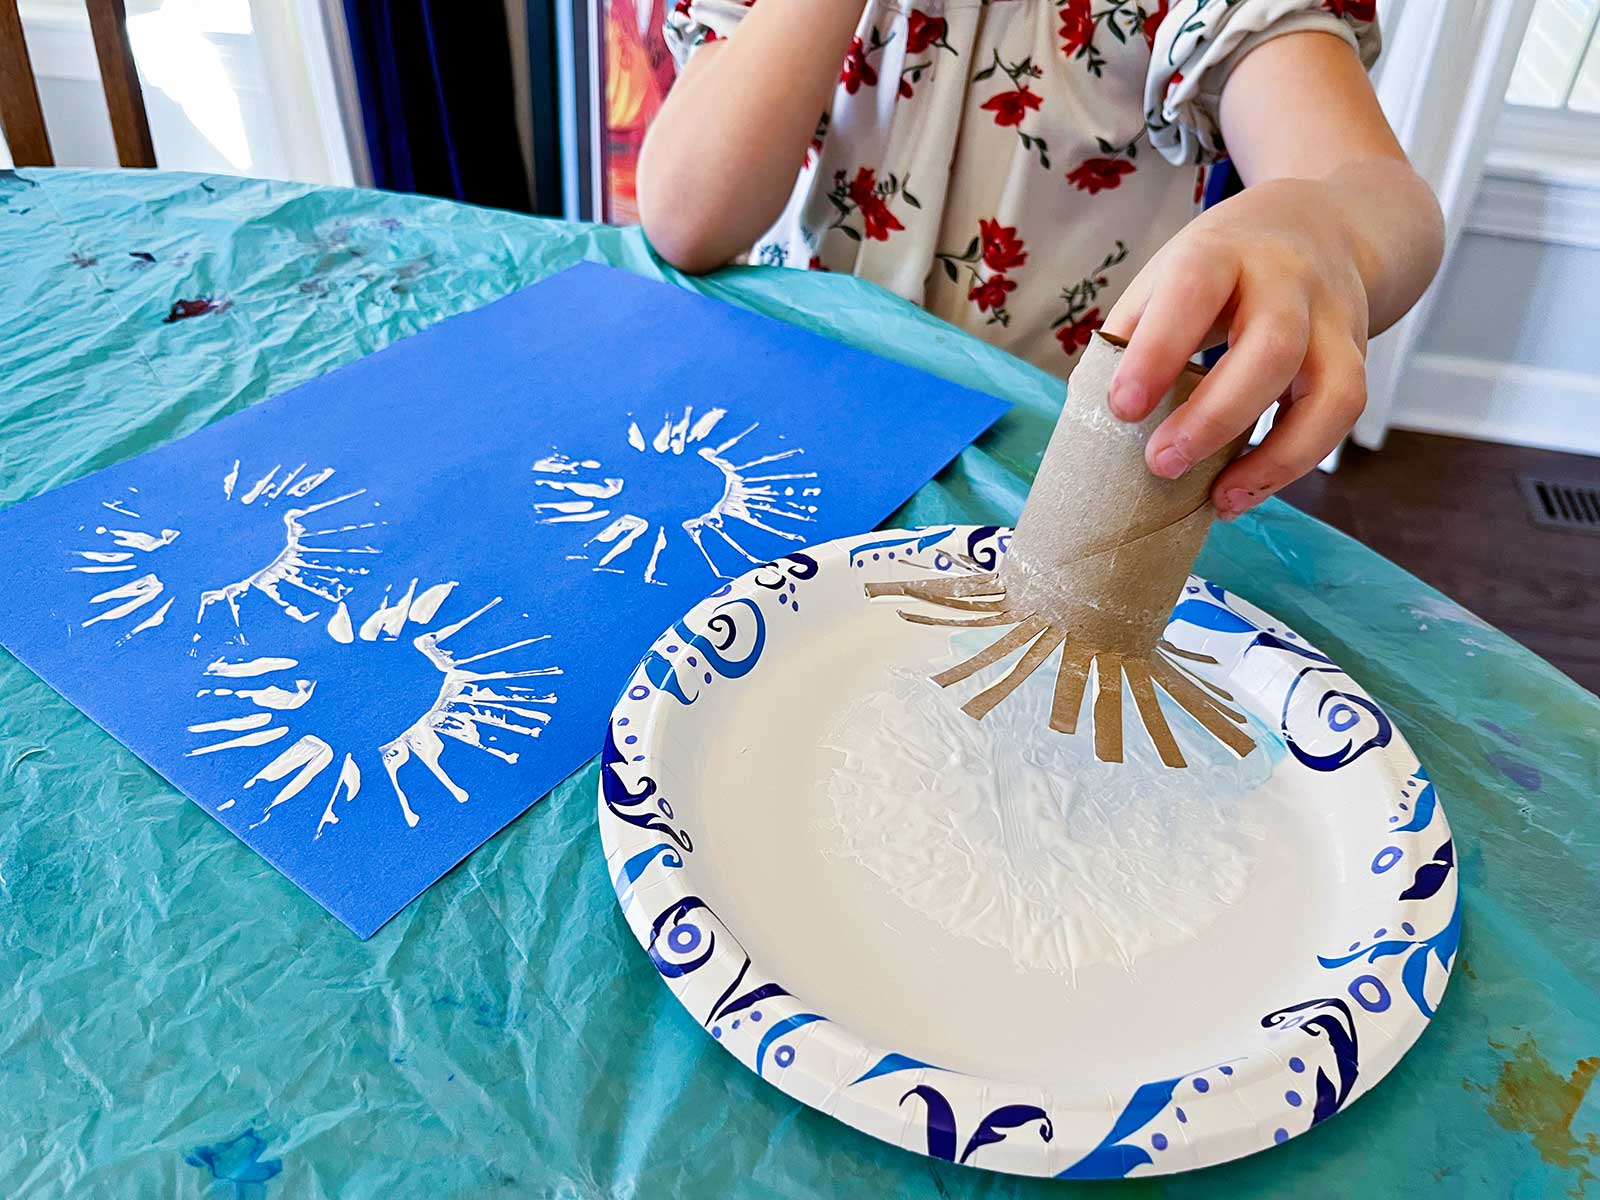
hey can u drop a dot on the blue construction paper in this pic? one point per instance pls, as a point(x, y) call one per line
point(367, 623)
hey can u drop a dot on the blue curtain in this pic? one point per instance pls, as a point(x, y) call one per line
point(437, 99)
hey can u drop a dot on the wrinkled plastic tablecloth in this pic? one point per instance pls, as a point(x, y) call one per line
point(176, 1020)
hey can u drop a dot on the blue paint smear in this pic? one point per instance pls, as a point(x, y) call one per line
point(1525, 775)
point(238, 1161)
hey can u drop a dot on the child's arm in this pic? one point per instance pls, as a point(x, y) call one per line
point(1334, 238)
point(721, 159)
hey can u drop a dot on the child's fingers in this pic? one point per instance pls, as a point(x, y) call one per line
point(1263, 359)
point(1191, 288)
point(1305, 432)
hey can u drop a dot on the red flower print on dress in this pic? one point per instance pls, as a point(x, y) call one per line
point(1002, 248)
point(875, 214)
point(1152, 22)
point(857, 70)
point(1358, 10)
point(1124, 20)
point(923, 31)
point(1075, 335)
point(868, 197)
point(1011, 108)
point(998, 249)
point(1082, 317)
point(1095, 175)
point(991, 293)
point(1077, 27)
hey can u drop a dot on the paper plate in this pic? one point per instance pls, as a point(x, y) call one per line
point(975, 941)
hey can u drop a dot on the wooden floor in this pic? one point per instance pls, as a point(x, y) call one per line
point(1449, 511)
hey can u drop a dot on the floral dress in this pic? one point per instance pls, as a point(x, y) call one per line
point(1009, 165)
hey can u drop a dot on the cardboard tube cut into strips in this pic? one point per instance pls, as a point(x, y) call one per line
point(1099, 556)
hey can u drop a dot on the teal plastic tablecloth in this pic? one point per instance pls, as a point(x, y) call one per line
point(177, 1020)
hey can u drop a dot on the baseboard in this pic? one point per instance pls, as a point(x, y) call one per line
point(1500, 402)
point(1562, 213)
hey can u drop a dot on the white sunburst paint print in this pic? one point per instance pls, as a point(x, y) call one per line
point(300, 564)
point(143, 602)
point(469, 701)
point(126, 599)
point(759, 493)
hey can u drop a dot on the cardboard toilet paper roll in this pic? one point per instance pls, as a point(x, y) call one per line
point(1099, 557)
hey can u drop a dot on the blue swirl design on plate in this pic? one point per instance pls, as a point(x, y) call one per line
point(779, 1030)
point(774, 575)
point(678, 952)
point(1214, 614)
point(724, 628)
point(1441, 948)
point(635, 808)
point(891, 1063)
point(917, 540)
point(986, 544)
point(1114, 1157)
point(1339, 711)
point(1431, 875)
point(727, 1004)
point(1426, 802)
point(634, 867)
point(1329, 1018)
point(992, 1127)
point(783, 577)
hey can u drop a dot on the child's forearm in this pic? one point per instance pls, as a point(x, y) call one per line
point(721, 159)
point(1278, 127)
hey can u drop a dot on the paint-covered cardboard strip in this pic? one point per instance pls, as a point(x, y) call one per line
point(1108, 708)
point(1097, 560)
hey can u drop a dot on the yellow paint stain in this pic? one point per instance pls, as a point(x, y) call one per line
point(1531, 1096)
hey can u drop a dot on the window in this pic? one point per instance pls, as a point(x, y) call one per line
point(1559, 63)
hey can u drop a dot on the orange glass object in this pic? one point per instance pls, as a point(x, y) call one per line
point(638, 73)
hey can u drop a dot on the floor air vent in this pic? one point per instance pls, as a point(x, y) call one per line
point(1560, 504)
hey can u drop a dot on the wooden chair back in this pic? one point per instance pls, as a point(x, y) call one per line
point(21, 116)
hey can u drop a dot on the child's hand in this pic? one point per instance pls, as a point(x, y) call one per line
point(1270, 274)
point(1334, 239)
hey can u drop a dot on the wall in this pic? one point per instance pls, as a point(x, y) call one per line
point(1511, 351)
